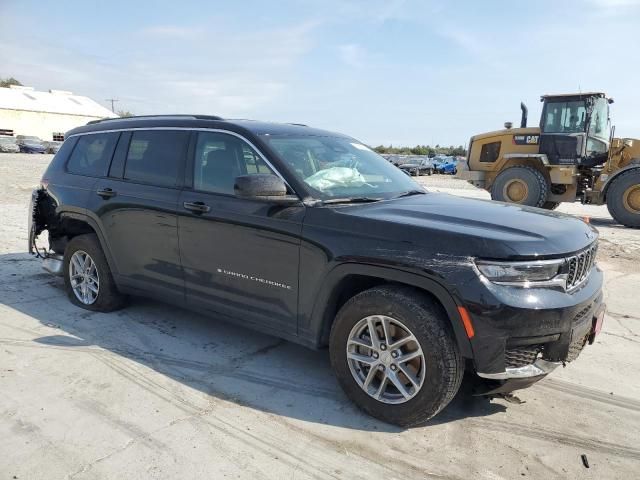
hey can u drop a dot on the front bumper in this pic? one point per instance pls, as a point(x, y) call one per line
point(540, 367)
point(526, 333)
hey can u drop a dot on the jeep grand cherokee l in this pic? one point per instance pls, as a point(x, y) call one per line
point(311, 236)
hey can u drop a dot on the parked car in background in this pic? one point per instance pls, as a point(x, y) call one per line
point(416, 166)
point(30, 144)
point(53, 146)
point(9, 145)
point(447, 166)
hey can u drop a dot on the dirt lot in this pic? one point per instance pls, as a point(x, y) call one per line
point(157, 392)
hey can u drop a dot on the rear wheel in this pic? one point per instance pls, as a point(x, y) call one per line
point(87, 277)
point(623, 198)
point(521, 184)
point(394, 355)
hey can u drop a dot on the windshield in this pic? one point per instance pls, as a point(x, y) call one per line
point(340, 167)
point(599, 119)
point(564, 117)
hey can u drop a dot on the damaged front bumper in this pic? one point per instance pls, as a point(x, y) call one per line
point(540, 367)
point(522, 335)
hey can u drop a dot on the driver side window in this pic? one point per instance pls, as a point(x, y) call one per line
point(220, 158)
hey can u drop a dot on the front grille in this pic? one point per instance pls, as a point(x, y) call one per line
point(580, 265)
point(521, 356)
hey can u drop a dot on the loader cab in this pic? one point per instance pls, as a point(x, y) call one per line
point(574, 128)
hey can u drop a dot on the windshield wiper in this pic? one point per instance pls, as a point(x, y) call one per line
point(410, 193)
point(351, 200)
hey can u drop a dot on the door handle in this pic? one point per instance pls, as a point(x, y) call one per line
point(106, 193)
point(197, 207)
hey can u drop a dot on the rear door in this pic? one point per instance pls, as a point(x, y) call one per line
point(136, 206)
point(240, 257)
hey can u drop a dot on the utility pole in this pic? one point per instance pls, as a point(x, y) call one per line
point(112, 100)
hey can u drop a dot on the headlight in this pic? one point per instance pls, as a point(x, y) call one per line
point(525, 274)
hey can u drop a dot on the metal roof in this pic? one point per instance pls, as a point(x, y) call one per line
point(202, 122)
point(53, 101)
point(581, 94)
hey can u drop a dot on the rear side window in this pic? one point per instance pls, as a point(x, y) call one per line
point(155, 156)
point(92, 154)
point(490, 152)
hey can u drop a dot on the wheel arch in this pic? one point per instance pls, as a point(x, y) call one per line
point(347, 280)
point(74, 223)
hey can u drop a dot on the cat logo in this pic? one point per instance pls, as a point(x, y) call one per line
point(526, 139)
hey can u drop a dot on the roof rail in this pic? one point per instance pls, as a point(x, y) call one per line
point(159, 117)
point(298, 124)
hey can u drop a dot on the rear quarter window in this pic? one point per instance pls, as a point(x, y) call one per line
point(92, 154)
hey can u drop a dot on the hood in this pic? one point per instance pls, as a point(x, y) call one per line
point(482, 228)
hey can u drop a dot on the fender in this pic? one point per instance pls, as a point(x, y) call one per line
point(320, 324)
point(83, 217)
point(635, 165)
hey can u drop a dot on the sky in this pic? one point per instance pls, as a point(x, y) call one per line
point(396, 72)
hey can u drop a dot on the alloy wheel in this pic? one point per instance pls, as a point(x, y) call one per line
point(83, 274)
point(385, 359)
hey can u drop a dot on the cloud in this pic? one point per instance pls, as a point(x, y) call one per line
point(352, 54)
point(171, 69)
point(172, 31)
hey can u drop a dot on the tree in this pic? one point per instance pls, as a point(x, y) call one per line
point(124, 113)
point(6, 82)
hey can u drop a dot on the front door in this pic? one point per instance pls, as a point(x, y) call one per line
point(240, 257)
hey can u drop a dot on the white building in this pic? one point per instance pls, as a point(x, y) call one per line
point(48, 115)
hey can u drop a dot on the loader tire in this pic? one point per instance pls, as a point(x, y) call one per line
point(623, 198)
point(522, 185)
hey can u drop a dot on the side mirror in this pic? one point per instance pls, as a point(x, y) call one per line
point(627, 142)
point(264, 187)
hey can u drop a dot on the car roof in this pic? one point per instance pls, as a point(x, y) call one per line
point(203, 121)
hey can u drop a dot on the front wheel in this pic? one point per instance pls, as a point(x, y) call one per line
point(395, 356)
point(623, 198)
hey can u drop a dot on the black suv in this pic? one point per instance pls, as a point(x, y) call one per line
point(311, 236)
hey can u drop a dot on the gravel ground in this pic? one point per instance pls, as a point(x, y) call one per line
point(154, 391)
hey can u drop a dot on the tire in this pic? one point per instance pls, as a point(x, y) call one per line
point(623, 198)
point(441, 365)
point(550, 205)
point(527, 181)
point(107, 298)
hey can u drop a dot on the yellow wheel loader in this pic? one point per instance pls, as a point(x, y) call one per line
point(572, 155)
